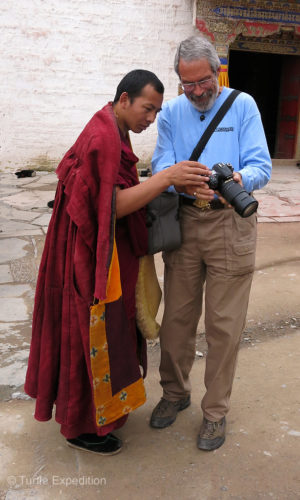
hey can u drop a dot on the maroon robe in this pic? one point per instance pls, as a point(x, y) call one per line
point(74, 270)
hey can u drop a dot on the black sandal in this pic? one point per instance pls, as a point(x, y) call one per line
point(102, 445)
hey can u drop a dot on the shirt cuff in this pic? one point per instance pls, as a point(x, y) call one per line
point(247, 179)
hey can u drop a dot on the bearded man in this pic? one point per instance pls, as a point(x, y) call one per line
point(218, 247)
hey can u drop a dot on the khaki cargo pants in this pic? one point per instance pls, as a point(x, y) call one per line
point(218, 250)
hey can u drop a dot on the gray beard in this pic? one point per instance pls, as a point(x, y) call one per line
point(206, 107)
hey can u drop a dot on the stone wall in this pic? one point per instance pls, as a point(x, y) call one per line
point(62, 59)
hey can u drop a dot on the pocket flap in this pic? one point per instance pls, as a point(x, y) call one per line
point(244, 249)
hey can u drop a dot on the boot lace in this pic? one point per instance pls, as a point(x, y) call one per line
point(162, 407)
point(210, 429)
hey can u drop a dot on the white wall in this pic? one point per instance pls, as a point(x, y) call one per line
point(61, 61)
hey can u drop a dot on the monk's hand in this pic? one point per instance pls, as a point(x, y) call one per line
point(188, 175)
point(202, 192)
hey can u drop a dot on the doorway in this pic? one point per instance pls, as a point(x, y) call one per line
point(273, 81)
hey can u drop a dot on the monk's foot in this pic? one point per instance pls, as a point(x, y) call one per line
point(102, 445)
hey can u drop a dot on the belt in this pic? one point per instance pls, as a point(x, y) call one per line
point(202, 204)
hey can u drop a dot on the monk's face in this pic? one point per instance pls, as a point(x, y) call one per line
point(142, 111)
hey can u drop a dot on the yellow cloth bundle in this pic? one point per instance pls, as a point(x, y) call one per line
point(148, 296)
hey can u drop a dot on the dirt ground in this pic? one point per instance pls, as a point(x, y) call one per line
point(260, 458)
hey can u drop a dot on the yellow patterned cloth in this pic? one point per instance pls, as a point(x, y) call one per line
point(109, 406)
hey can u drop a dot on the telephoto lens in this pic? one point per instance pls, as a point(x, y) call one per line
point(243, 203)
point(222, 180)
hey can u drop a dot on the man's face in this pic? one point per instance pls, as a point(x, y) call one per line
point(142, 111)
point(203, 93)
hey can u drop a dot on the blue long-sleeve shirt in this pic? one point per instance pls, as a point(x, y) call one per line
point(239, 138)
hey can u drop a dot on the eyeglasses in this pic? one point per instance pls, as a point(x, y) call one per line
point(189, 87)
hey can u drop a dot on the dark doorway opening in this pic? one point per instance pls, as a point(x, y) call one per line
point(259, 75)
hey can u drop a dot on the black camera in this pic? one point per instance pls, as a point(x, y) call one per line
point(221, 179)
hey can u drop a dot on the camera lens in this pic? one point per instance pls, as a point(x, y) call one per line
point(244, 204)
point(250, 209)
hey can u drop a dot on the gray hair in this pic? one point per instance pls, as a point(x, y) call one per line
point(194, 48)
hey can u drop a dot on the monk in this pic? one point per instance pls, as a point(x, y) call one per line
point(86, 352)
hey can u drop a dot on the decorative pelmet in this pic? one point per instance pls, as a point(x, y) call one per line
point(260, 26)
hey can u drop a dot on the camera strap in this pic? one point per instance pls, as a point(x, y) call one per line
point(213, 124)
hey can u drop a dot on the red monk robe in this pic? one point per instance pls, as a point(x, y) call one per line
point(86, 358)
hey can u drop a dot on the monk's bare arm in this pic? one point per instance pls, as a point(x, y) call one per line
point(185, 173)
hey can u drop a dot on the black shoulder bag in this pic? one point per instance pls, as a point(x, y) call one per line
point(163, 211)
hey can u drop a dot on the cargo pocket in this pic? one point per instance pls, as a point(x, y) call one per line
point(240, 238)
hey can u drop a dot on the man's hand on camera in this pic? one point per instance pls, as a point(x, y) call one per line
point(237, 177)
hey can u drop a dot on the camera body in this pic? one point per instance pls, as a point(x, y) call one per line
point(221, 172)
point(221, 179)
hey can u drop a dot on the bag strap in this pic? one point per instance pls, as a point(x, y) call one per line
point(213, 124)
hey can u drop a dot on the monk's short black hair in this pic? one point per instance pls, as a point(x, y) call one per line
point(134, 82)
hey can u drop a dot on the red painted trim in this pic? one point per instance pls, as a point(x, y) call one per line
point(201, 25)
point(266, 27)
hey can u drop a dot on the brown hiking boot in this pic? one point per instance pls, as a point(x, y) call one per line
point(211, 435)
point(165, 413)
